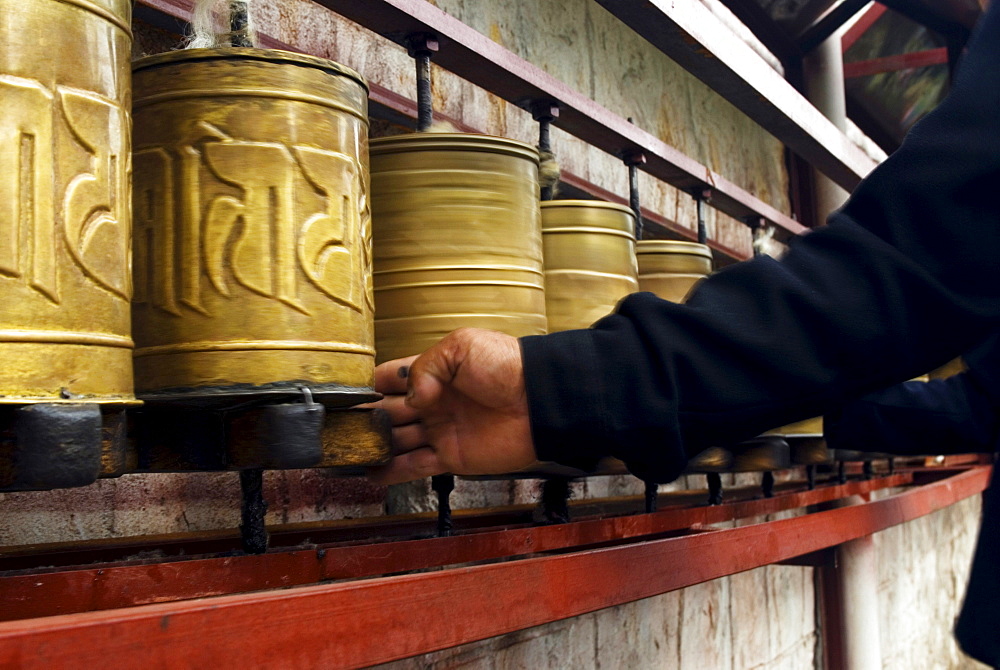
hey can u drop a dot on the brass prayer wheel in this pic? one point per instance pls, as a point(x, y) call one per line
point(589, 251)
point(252, 249)
point(670, 268)
point(64, 217)
point(457, 239)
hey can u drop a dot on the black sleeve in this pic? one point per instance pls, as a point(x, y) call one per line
point(905, 277)
point(943, 416)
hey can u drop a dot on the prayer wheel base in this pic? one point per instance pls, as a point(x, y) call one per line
point(60, 445)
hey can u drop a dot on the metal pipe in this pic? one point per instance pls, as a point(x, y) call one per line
point(857, 583)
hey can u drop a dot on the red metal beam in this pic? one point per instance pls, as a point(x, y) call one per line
point(862, 25)
point(49, 592)
point(362, 623)
point(905, 61)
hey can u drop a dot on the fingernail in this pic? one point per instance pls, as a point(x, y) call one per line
point(403, 371)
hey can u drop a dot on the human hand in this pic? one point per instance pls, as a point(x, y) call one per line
point(465, 410)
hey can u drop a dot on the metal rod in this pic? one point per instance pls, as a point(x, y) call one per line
point(842, 472)
point(421, 46)
point(545, 112)
point(702, 228)
point(443, 485)
point(767, 484)
point(633, 159)
point(757, 229)
point(811, 477)
point(555, 500)
point(252, 530)
point(701, 197)
point(651, 494)
point(868, 470)
point(714, 488)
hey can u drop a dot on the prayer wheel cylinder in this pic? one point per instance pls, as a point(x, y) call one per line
point(457, 239)
point(65, 222)
point(670, 268)
point(589, 251)
point(252, 249)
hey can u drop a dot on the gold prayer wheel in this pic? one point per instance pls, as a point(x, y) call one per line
point(252, 250)
point(670, 268)
point(589, 251)
point(761, 454)
point(457, 239)
point(65, 223)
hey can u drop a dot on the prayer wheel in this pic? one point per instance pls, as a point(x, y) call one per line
point(64, 215)
point(761, 454)
point(589, 251)
point(670, 268)
point(252, 244)
point(457, 239)
point(65, 228)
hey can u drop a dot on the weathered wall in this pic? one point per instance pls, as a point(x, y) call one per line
point(923, 567)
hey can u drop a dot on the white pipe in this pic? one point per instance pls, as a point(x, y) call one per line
point(857, 571)
point(824, 71)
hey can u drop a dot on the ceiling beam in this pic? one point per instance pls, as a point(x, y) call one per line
point(688, 33)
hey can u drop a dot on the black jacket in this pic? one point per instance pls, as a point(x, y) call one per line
point(905, 277)
point(955, 415)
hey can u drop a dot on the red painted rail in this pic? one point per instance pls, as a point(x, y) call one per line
point(365, 622)
point(47, 592)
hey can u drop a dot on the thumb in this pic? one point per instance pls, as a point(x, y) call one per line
point(431, 373)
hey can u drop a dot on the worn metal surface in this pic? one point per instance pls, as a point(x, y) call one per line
point(251, 282)
point(457, 239)
point(670, 268)
point(589, 260)
point(331, 624)
point(478, 59)
point(690, 35)
point(65, 223)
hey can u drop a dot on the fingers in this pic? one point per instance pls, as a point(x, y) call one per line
point(395, 405)
point(433, 371)
point(416, 464)
point(391, 376)
point(409, 437)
